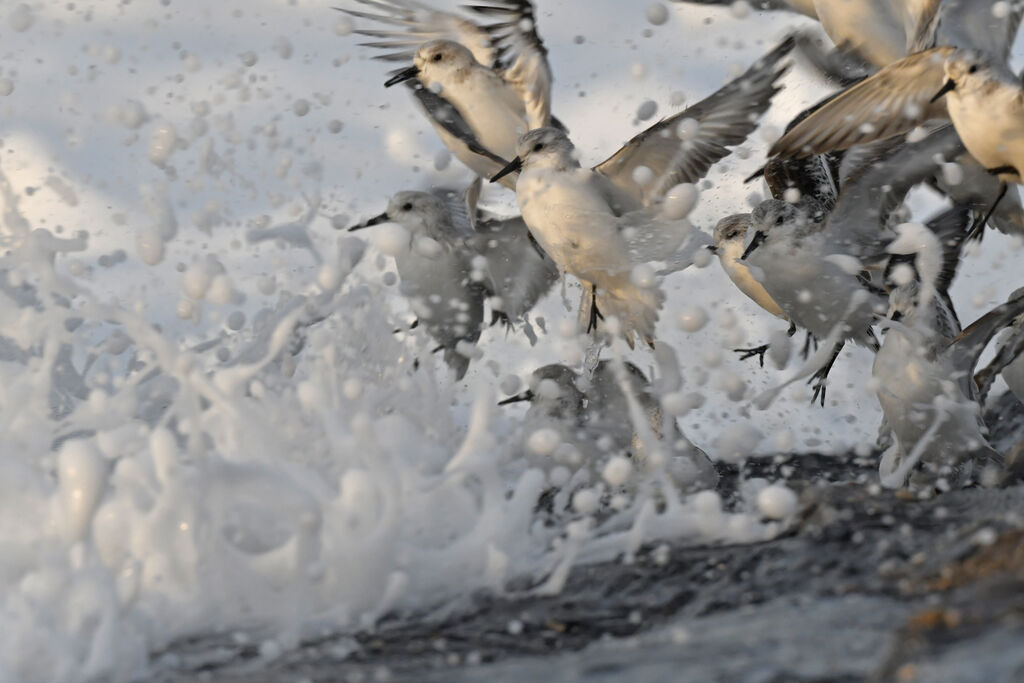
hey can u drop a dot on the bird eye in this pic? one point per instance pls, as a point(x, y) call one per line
point(538, 147)
point(778, 221)
point(437, 57)
point(974, 67)
point(407, 206)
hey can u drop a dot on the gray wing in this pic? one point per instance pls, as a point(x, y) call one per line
point(448, 117)
point(951, 227)
point(457, 203)
point(725, 118)
point(1008, 352)
point(967, 347)
point(877, 185)
point(412, 23)
point(519, 272)
point(519, 55)
point(893, 101)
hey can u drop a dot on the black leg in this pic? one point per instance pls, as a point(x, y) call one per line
point(595, 314)
point(821, 375)
point(413, 326)
point(809, 339)
point(978, 229)
point(502, 317)
point(758, 351)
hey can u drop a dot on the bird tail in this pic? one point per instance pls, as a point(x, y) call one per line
point(457, 362)
point(636, 308)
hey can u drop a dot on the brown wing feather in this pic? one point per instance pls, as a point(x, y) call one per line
point(893, 101)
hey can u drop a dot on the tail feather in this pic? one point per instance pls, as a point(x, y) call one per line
point(635, 307)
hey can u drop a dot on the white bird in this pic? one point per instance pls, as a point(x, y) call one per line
point(959, 47)
point(458, 258)
point(923, 373)
point(730, 242)
point(793, 252)
point(813, 261)
point(435, 273)
point(503, 256)
point(593, 415)
point(730, 236)
point(599, 223)
point(482, 87)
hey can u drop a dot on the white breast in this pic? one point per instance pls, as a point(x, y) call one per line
point(728, 255)
point(572, 222)
point(991, 124)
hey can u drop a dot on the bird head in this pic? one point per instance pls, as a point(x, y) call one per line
point(442, 61)
point(540, 148)
point(731, 230)
point(964, 69)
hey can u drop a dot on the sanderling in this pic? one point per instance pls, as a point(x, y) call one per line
point(593, 414)
point(923, 374)
point(599, 224)
point(928, 403)
point(482, 87)
point(960, 52)
point(435, 273)
point(517, 271)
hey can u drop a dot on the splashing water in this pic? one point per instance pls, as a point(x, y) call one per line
point(254, 450)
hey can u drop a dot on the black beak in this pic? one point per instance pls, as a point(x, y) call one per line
point(712, 248)
point(946, 87)
point(896, 316)
point(402, 76)
point(512, 167)
point(525, 396)
point(754, 176)
point(376, 220)
point(754, 244)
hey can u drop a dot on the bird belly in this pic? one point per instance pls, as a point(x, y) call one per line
point(992, 131)
point(744, 281)
point(576, 229)
point(482, 166)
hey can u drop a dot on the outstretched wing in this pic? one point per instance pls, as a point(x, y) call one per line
point(683, 156)
point(518, 270)
point(411, 23)
point(893, 101)
point(460, 210)
point(968, 346)
point(519, 55)
point(876, 180)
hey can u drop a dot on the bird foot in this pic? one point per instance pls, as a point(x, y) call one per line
point(758, 351)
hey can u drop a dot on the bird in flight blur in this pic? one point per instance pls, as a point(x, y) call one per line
point(600, 223)
point(586, 408)
point(923, 371)
point(456, 258)
point(481, 86)
point(814, 261)
point(958, 70)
